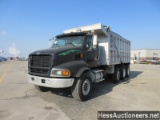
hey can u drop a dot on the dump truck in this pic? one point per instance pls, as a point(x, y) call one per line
point(78, 58)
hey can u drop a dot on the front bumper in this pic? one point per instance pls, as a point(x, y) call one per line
point(51, 82)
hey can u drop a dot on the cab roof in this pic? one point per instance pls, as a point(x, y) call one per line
point(71, 34)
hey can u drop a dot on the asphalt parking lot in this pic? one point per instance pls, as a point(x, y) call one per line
point(21, 101)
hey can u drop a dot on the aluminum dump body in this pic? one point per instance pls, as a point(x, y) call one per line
point(114, 49)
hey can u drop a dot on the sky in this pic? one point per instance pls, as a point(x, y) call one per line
point(27, 25)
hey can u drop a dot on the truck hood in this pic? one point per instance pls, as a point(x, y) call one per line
point(60, 55)
point(58, 50)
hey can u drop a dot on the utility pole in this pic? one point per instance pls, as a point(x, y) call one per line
point(139, 57)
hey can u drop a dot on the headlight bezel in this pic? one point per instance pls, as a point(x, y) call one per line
point(58, 72)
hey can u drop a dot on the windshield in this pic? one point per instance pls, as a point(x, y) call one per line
point(66, 41)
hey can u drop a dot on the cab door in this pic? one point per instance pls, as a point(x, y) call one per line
point(91, 53)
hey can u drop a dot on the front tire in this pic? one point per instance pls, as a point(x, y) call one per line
point(82, 87)
point(42, 89)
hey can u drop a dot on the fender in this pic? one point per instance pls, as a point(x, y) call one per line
point(76, 67)
point(82, 70)
point(88, 71)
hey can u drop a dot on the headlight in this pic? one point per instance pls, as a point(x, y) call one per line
point(60, 73)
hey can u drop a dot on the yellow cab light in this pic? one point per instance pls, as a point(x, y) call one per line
point(65, 73)
point(81, 55)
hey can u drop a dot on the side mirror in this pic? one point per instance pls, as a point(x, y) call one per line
point(51, 41)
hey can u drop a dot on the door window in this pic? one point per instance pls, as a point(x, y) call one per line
point(89, 42)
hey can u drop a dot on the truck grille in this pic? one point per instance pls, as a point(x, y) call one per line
point(40, 64)
point(40, 60)
point(37, 70)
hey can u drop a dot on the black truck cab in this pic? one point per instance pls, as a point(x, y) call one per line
point(60, 66)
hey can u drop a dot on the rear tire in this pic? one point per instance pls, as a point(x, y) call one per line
point(42, 89)
point(123, 72)
point(127, 71)
point(116, 75)
point(82, 87)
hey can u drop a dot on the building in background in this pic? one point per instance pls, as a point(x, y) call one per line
point(145, 55)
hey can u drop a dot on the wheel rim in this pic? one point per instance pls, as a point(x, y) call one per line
point(124, 72)
point(86, 86)
point(118, 75)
